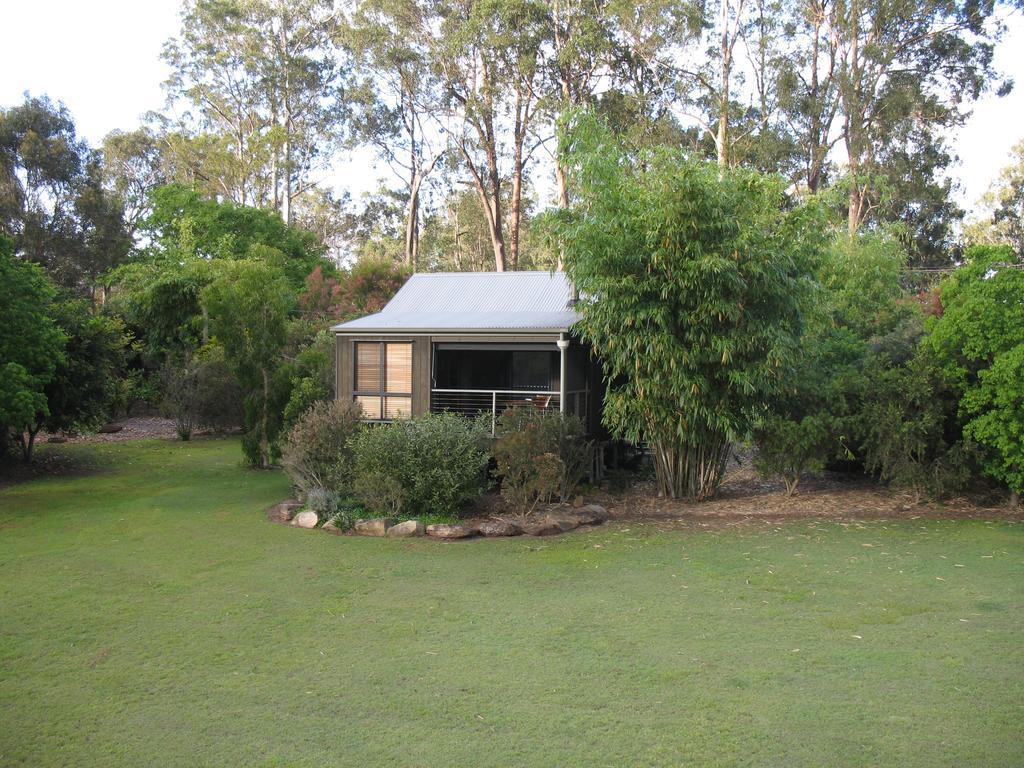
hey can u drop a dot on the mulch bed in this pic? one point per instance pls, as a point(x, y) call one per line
point(746, 498)
point(132, 428)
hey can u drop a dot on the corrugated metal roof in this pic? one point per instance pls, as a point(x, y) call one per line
point(475, 301)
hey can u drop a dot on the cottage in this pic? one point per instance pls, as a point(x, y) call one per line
point(472, 343)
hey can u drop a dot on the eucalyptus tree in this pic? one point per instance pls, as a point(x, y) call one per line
point(223, 134)
point(730, 84)
point(489, 54)
point(261, 81)
point(397, 103)
point(583, 44)
point(52, 202)
point(1002, 207)
point(302, 74)
point(133, 166)
point(907, 69)
point(809, 88)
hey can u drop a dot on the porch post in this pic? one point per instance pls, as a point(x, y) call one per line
point(563, 346)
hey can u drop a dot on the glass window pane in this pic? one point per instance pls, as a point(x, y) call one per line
point(397, 407)
point(399, 368)
point(371, 406)
point(368, 367)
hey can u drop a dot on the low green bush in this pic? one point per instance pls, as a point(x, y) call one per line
point(318, 451)
point(347, 510)
point(540, 455)
point(432, 465)
point(790, 445)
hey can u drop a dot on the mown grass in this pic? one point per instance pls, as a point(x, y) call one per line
point(150, 615)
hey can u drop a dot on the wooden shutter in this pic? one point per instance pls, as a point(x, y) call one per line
point(368, 368)
point(399, 368)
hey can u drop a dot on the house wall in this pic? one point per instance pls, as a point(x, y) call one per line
point(581, 366)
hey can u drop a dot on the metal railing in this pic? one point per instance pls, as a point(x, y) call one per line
point(475, 402)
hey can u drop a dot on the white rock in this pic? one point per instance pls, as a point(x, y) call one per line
point(307, 519)
point(377, 526)
point(407, 528)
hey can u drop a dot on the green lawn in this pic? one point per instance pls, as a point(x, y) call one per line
point(150, 615)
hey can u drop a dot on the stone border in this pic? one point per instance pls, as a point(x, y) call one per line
point(549, 524)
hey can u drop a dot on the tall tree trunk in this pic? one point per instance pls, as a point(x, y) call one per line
point(27, 444)
point(488, 187)
point(289, 122)
point(854, 128)
point(516, 204)
point(264, 422)
point(412, 215)
point(561, 178)
point(722, 135)
point(813, 160)
point(856, 201)
point(492, 206)
point(494, 192)
point(515, 220)
point(412, 211)
point(240, 155)
point(286, 197)
point(563, 203)
point(561, 186)
point(275, 170)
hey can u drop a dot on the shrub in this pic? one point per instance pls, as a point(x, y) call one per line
point(527, 478)
point(219, 396)
point(809, 422)
point(310, 375)
point(909, 429)
point(432, 465)
point(180, 383)
point(996, 408)
point(382, 493)
point(535, 444)
point(977, 342)
point(789, 446)
point(323, 502)
point(317, 453)
point(200, 392)
point(347, 512)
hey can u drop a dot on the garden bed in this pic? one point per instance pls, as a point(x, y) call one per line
point(744, 498)
point(828, 495)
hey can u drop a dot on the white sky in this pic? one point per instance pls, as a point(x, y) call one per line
point(102, 59)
